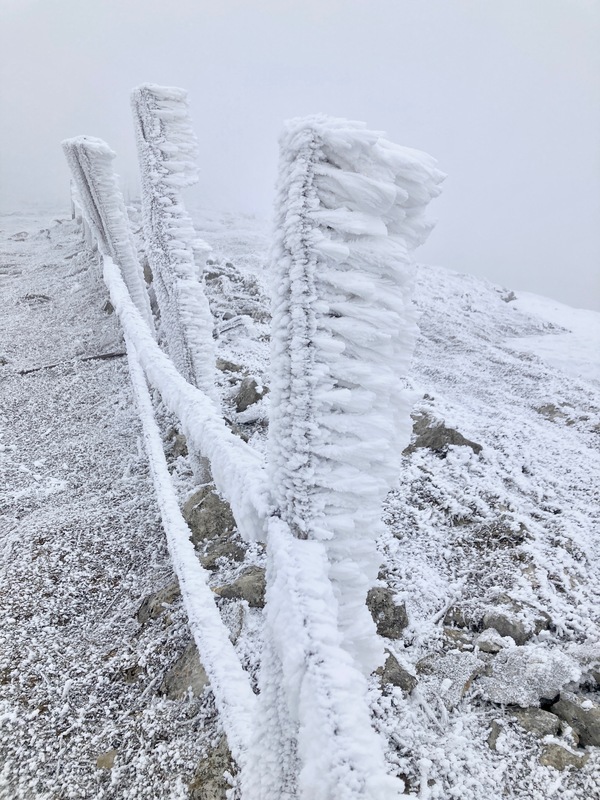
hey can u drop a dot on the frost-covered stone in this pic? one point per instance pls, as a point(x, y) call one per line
point(250, 586)
point(187, 673)
point(249, 393)
point(582, 714)
point(458, 639)
point(490, 641)
point(524, 675)
point(208, 516)
point(392, 672)
point(390, 618)
point(559, 757)
point(156, 604)
point(537, 721)
point(518, 620)
point(452, 673)
point(209, 781)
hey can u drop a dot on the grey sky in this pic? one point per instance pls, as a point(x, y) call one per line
point(504, 93)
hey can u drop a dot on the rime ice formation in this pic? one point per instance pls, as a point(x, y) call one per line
point(97, 191)
point(167, 150)
point(350, 209)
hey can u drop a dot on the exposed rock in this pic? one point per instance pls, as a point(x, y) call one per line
point(462, 617)
point(453, 675)
point(106, 760)
point(228, 366)
point(209, 782)
point(249, 393)
point(437, 437)
point(250, 586)
point(19, 237)
point(457, 639)
point(393, 673)
point(391, 619)
point(524, 675)
point(550, 411)
point(537, 721)
point(154, 605)
point(582, 714)
point(186, 673)
point(179, 445)
point(221, 548)
point(557, 756)
point(490, 641)
point(495, 730)
point(208, 516)
point(108, 308)
point(518, 620)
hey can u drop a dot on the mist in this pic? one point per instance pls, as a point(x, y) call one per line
point(504, 94)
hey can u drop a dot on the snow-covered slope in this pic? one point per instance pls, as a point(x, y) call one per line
point(495, 519)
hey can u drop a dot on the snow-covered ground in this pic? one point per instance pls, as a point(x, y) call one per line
point(509, 510)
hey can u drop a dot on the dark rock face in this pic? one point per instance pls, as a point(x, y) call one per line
point(250, 586)
point(437, 437)
point(583, 715)
point(390, 618)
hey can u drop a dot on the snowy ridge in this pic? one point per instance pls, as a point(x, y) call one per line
point(166, 151)
point(350, 209)
point(233, 694)
point(98, 192)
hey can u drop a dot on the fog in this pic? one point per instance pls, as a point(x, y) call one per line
point(504, 93)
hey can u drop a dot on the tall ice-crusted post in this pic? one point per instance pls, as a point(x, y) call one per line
point(349, 212)
point(167, 151)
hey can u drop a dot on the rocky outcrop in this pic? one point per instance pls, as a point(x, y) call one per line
point(249, 393)
point(436, 436)
point(391, 619)
point(536, 721)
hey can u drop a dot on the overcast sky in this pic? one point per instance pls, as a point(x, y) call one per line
point(504, 93)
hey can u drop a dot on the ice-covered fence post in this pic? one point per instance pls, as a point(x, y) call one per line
point(350, 210)
point(166, 151)
point(97, 188)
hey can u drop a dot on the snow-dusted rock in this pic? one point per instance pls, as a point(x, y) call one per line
point(537, 721)
point(524, 675)
point(187, 673)
point(156, 604)
point(393, 673)
point(559, 757)
point(208, 516)
point(389, 616)
point(250, 586)
point(582, 714)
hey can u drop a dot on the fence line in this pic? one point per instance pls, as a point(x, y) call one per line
point(310, 729)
